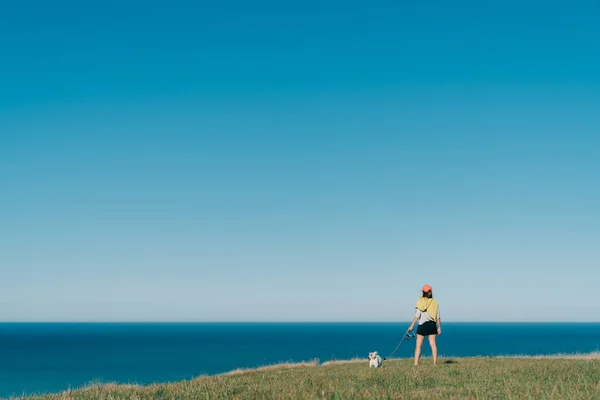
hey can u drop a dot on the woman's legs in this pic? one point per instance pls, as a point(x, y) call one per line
point(433, 347)
point(418, 346)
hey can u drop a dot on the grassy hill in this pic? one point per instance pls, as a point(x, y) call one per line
point(457, 378)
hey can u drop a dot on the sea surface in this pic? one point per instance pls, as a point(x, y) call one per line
point(41, 358)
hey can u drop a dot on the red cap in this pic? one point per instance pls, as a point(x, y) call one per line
point(427, 288)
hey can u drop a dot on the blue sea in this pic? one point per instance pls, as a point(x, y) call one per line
point(40, 358)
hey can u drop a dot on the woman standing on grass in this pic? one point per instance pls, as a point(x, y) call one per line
point(428, 312)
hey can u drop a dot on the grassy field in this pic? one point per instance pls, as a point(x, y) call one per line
point(457, 378)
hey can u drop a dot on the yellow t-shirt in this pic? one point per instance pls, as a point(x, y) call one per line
point(429, 305)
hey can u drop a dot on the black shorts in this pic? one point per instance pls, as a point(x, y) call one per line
point(428, 328)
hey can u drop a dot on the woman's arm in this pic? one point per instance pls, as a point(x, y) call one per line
point(439, 324)
point(415, 319)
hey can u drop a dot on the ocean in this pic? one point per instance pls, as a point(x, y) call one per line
point(50, 357)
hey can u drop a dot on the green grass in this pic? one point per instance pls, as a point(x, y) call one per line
point(456, 378)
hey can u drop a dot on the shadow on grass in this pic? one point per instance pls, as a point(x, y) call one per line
point(450, 361)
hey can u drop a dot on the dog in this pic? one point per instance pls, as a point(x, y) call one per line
point(375, 360)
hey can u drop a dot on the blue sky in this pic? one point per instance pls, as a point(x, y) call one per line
point(262, 161)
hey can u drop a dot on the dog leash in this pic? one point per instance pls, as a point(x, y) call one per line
point(407, 335)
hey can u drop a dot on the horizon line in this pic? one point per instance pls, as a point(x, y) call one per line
point(292, 322)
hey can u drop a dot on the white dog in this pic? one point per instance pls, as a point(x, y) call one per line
point(374, 360)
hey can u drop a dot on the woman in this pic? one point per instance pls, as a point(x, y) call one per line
point(428, 312)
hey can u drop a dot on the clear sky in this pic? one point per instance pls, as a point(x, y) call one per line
point(317, 161)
